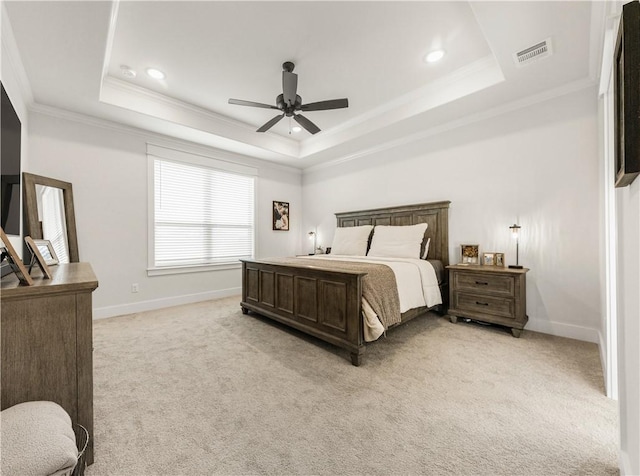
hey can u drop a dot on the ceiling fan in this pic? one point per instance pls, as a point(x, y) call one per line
point(289, 103)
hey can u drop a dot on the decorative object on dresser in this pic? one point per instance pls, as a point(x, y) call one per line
point(489, 294)
point(488, 259)
point(626, 74)
point(493, 259)
point(9, 253)
point(47, 342)
point(326, 302)
point(37, 258)
point(47, 251)
point(314, 238)
point(469, 254)
point(515, 233)
point(281, 216)
point(48, 209)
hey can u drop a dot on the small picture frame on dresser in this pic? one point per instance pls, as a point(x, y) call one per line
point(469, 254)
point(488, 259)
point(17, 266)
point(37, 257)
point(499, 259)
point(47, 251)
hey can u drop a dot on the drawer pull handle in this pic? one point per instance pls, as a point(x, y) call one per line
point(482, 283)
point(482, 303)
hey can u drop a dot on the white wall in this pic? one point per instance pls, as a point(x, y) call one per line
point(628, 208)
point(537, 166)
point(108, 169)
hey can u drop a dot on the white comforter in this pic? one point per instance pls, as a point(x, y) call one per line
point(417, 286)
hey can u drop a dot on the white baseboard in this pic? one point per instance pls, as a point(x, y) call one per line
point(122, 309)
point(602, 348)
point(609, 380)
point(560, 329)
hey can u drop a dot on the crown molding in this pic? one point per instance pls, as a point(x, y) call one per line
point(125, 95)
point(111, 33)
point(563, 90)
point(480, 74)
point(133, 89)
point(158, 139)
point(469, 71)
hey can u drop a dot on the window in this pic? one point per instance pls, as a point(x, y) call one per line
point(202, 211)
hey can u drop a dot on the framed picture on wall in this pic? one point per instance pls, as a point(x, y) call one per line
point(281, 216)
point(626, 77)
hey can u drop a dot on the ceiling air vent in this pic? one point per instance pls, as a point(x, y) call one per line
point(533, 53)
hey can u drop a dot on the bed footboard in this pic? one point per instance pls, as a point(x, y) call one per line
point(323, 303)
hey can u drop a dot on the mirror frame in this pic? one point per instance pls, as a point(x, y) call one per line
point(32, 227)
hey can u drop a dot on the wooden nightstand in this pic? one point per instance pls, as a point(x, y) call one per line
point(489, 294)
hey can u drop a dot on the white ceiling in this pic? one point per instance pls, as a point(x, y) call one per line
point(369, 52)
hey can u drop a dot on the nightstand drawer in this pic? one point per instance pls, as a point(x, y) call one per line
point(484, 283)
point(483, 304)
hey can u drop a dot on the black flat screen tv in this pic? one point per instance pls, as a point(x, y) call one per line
point(10, 166)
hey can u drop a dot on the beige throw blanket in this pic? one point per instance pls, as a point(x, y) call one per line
point(379, 286)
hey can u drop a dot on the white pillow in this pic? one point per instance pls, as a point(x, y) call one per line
point(397, 241)
point(351, 240)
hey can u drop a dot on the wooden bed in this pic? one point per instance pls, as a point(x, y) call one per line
point(326, 303)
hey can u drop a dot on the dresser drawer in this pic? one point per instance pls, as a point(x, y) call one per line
point(484, 304)
point(484, 283)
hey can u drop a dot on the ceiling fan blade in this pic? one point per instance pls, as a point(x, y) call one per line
point(270, 124)
point(324, 105)
point(289, 87)
point(306, 123)
point(240, 102)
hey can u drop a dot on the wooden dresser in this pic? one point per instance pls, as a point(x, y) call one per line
point(489, 294)
point(47, 342)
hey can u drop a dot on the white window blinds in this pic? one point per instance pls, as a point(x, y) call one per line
point(202, 216)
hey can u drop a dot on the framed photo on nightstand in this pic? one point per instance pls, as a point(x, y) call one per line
point(469, 254)
point(488, 259)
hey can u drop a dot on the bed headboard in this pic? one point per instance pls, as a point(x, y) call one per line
point(435, 214)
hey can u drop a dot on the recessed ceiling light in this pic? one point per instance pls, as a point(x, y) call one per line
point(155, 73)
point(434, 56)
point(296, 128)
point(127, 72)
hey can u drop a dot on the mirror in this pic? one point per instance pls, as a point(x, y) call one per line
point(50, 214)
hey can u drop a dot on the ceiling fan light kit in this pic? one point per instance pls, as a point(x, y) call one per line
point(289, 103)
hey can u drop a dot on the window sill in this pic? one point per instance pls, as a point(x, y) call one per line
point(193, 269)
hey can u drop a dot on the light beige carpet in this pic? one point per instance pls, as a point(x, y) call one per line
point(202, 389)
